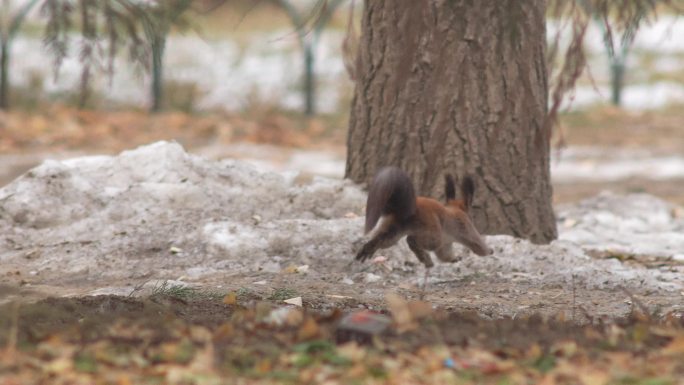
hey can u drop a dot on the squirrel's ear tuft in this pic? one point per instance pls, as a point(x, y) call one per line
point(467, 191)
point(450, 187)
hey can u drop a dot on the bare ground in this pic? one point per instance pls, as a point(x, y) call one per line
point(488, 294)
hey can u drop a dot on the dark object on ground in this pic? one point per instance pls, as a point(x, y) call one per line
point(361, 326)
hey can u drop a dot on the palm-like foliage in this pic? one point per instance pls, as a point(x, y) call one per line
point(106, 27)
point(309, 29)
point(9, 26)
point(619, 20)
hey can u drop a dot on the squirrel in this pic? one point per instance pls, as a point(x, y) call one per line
point(393, 211)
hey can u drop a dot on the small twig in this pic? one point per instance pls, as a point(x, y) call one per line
point(636, 301)
point(12, 337)
point(586, 314)
point(574, 298)
point(136, 289)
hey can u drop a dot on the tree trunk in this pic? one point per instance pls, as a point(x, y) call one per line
point(617, 78)
point(4, 71)
point(309, 79)
point(458, 86)
point(158, 46)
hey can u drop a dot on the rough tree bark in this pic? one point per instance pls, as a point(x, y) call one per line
point(458, 86)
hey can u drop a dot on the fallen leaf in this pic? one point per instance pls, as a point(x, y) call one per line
point(230, 299)
point(285, 316)
point(59, 366)
point(401, 313)
point(564, 348)
point(352, 351)
point(593, 377)
point(420, 309)
point(297, 301)
point(675, 347)
point(264, 366)
point(308, 330)
point(224, 332)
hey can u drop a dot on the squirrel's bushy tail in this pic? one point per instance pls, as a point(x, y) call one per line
point(390, 193)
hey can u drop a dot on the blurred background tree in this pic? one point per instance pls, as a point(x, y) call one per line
point(156, 19)
point(163, 17)
point(308, 37)
point(617, 43)
point(11, 20)
point(140, 26)
point(117, 22)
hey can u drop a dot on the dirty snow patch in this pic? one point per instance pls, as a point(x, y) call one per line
point(157, 213)
point(635, 223)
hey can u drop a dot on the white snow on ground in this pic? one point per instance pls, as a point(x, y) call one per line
point(607, 165)
point(571, 165)
point(157, 212)
point(637, 223)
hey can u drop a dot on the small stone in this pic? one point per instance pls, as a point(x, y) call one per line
point(297, 301)
point(370, 278)
point(379, 259)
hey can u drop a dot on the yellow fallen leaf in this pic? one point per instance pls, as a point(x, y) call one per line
point(263, 366)
point(294, 317)
point(593, 377)
point(60, 365)
point(420, 309)
point(533, 352)
point(675, 347)
point(357, 371)
point(400, 312)
point(224, 331)
point(230, 299)
point(406, 313)
point(564, 348)
point(352, 351)
point(308, 330)
point(548, 379)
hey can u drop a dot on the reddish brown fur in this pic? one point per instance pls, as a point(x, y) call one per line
point(428, 224)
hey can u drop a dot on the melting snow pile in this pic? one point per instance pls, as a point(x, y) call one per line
point(603, 165)
point(635, 224)
point(159, 213)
